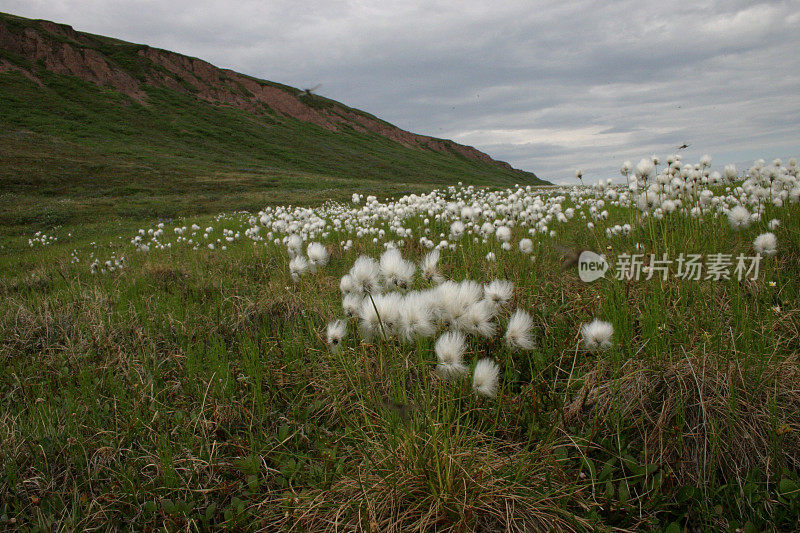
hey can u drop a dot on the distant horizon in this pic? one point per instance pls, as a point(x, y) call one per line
point(549, 89)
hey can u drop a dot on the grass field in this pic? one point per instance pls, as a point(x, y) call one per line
point(180, 377)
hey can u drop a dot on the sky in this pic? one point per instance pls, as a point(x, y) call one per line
point(549, 86)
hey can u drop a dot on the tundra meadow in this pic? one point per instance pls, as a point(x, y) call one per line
point(431, 362)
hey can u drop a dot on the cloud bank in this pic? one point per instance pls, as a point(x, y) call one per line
point(548, 86)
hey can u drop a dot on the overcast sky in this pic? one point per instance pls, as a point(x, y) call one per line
point(549, 86)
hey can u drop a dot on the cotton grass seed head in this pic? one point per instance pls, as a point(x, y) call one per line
point(518, 333)
point(317, 255)
point(430, 267)
point(347, 285)
point(486, 377)
point(416, 317)
point(739, 217)
point(396, 271)
point(478, 319)
point(351, 304)
point(337, 330)
point(294, 245)
point(766, 244)
point(450, 347)
point(366, 275)
point(499, 292)
point(297, 267)
point(597, 335)
point(503, 234)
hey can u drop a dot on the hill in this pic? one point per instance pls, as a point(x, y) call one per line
point(92, 126)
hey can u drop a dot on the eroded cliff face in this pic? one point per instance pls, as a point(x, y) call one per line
point(32, 46)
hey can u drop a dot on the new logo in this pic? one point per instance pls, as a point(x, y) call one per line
point(591, 266)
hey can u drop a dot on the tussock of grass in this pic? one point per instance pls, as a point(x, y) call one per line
point(431, 479)
point(706, 418)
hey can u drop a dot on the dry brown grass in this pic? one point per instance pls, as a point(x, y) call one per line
point(425, 483)
point(700, 417)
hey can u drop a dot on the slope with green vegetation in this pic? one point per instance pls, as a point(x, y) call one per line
point(92, 126)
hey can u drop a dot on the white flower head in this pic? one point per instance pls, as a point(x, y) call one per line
point(397, 272)
point(645, 169)
point(366, 275)
point(597, 335)
point(297, 267)
point(380, 314)
point(499, 292)
point(739, 217)
point(450, 349)
point(294, 244)
point(416, 317)
point(317, 255)
point(478, 319)
point(486, 377)
point(430, 267)
point(351, 304)
point(337, 330)
point(766, 244)
point(503, 234)
point(347, 284)
point(454, 300)
point(518, 333)
point(456, 230)
point(668, 206)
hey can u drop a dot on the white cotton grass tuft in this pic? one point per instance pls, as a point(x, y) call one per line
point(347, 285)
point(456, 299)
point(644, 170)
point(351, 304)
point(416, 317)
point(499, 292)
point(518, 332)
point(526, 246)
point(294, 245)
point(456, 230)
point(366, 275)
point(766, 244)
point(380, 314)
point(396, 271)
point(337, 330)
point(297, 267)
point(503, 234)
point(478, 319)
point(486, 377)
point(450, 348)
point(597, 335)
point(430, 267)
point(317, 255)
point(739, 217)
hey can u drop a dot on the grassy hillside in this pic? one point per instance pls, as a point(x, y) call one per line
point(72, 150)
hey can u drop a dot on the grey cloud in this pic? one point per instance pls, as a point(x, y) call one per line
point(549, 86)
